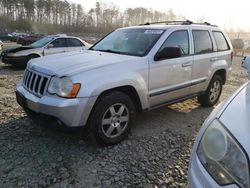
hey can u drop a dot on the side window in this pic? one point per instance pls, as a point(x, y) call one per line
point(74, 42)
point(59, 43)
point(202, 42)
point(178, 39)
point(220, 41)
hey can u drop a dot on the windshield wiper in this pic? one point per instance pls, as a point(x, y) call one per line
point(110, 51)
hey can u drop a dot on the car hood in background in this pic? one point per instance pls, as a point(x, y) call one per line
point(76, 62)
point(18, 49)
point(236, 117)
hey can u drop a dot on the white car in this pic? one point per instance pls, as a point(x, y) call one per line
point(1, 45)
point(52, 44)
point(220, 156)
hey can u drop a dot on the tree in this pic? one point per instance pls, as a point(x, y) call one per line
point(63, 16)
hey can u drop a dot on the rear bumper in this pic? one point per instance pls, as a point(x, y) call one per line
point(70, 112)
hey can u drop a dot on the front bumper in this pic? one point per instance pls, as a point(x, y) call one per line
point(15, 61)
point(70, 112)
point(198, 177)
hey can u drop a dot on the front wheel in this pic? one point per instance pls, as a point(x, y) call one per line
point(33, 56)
point(213, 92)
point(111, 118)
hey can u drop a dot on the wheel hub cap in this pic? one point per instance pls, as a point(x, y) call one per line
point(115, 120)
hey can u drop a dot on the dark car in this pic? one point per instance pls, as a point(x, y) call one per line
point(27, 40)
point(7, 37)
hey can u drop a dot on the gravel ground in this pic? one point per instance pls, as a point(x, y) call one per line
point(156, 154)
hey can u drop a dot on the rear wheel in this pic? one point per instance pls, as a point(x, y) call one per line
point(111, 119)
point(213, 92)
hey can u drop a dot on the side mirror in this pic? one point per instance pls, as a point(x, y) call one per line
point(50, 46)
point(168, 53)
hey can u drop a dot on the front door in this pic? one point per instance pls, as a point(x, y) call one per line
point(169, 79)
point(56, 46)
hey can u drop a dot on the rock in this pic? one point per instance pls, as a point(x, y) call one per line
point(107, 182)
point(169, 180)
point(65, 175)
point(53, 165)
point(103, 163)
point(8, 169)
point(151, 177)
point(94, 171)
point(59, 159)
point(62, 170)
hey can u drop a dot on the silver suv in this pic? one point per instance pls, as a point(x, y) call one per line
point(131, 69)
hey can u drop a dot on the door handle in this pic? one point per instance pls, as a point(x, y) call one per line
point(187, 64)
point(213, 59)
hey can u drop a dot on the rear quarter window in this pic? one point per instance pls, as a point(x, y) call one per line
point(202, 42)
point(74, 42)
point(221, 41)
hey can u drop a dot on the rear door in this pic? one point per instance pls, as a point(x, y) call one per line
point(204, 57)
point(169, 79)
point(74, 44)
point(58, 45)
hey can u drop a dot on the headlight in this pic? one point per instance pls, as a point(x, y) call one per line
point(223, 157)
point(63, 87)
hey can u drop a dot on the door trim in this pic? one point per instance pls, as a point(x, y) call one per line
point(177, 87)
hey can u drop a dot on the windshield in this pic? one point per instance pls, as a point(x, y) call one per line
point(137, 42)
point(42, 42)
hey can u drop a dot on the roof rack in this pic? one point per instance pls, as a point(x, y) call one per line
point(173, 22)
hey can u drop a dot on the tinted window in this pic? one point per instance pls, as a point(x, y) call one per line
point(178, 39)
point(220, 41)
point(202, 42)
point(74, 42)
point(58, 43)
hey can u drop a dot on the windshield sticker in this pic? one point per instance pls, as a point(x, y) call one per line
point(158, 32)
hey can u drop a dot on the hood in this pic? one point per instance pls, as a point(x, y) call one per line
point(18, 49)
point(236, 117)
point(76, 62)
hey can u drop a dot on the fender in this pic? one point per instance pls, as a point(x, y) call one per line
point(97, 83)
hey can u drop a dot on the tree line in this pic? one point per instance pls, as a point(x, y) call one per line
point(48, 16)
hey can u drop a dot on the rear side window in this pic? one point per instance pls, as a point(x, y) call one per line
point(178, 39)
point(74, 42)
point(59, 43)
point(221, 41)
point(202, 42)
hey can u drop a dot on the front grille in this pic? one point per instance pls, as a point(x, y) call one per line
point(35, 83)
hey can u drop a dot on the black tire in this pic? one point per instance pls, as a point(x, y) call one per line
point(213, 92)
point(117, 111)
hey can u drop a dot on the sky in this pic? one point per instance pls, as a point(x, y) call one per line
point(224, 13)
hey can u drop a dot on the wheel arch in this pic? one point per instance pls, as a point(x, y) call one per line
point(222, 73)
point(128, 90)
point(34, 54)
